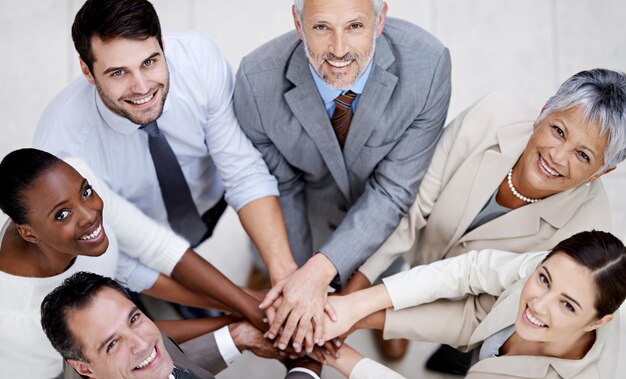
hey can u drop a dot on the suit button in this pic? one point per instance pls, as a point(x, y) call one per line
point(332, 227)
point(343, 208)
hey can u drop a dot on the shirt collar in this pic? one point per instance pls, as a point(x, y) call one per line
point(329, 94)
point(120, 123)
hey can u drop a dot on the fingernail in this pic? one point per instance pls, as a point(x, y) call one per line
point(270, 336)
point(309, 350)
point(292, 356)
point(265, 320)
point(282, 346)
point(320, 342)
point(296, 347)
point(337, 343)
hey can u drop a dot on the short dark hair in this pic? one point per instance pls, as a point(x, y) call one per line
point(74, 294)
point(18, 171)
point(605, 255)
point(110, 19)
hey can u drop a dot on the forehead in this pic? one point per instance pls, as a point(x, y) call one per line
point(572, 278)
point(54, 185)
point(105, 314)
point(337, 9)
point(121, 52)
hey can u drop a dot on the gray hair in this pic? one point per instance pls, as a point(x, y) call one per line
point(299, 6)
point(601, 94)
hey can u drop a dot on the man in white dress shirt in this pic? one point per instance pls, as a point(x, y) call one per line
point(181, 86)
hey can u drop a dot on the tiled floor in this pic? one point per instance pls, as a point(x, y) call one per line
point(524, 46)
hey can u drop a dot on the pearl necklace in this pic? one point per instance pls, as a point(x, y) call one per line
point(515, 193)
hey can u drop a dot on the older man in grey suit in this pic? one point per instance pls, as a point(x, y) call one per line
point(346, 111)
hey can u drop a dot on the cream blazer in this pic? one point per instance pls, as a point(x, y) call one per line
point(474, 154)
point(466, 323)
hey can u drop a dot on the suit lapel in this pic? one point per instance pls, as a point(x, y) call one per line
point(306, 105)
point(372, 102)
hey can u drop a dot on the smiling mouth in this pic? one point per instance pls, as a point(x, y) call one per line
point(534, 321)
point(148, 360)
point(143, 100)
point(548, 168)
point(93, 235)
point(339, 64)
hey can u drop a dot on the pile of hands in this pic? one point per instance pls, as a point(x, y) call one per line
point(304, 319)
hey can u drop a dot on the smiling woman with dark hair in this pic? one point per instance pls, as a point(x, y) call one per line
point(553, 317)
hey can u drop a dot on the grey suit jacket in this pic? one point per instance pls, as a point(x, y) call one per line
point(200, 355)
point(346, 203)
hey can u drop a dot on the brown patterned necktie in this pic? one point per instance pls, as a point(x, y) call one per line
point(342, 116)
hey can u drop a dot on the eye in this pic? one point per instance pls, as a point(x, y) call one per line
point(568, 306)
point(117, 73)
point(111, 345)
point(558, 131)
point(62, 214)
point(584, 156)
point(544, 280)
point(320, 27)
point(356, 25)
point(148, 62)
point(88, 191)
point(135, 318)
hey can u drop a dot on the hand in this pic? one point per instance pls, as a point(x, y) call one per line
point(345, 361)
point(247, 337)
point(344, 322)
point(302, 299)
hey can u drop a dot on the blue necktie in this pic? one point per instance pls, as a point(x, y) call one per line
point(182, 213)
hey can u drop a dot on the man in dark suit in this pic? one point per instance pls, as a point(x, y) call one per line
point(100, 333)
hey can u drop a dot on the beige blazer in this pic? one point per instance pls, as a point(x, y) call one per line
point(466, 323)
point(474, 154)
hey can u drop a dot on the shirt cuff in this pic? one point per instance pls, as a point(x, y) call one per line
point(226, 345)
point(304, 370)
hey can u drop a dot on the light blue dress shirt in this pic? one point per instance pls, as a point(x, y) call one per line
point(198, 120)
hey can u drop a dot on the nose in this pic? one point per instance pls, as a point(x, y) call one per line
point(87, 215)
point(559, 155)
point(339, 46)
point(138, 345)
point(139, 83)
point(540, 305)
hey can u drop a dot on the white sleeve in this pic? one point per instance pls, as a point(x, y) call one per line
point(476, 272)
point(370, 369)
point(134, 275)
point(240, 165)
point(138, 235)
point(226, 345)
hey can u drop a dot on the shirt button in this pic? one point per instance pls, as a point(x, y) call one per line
point(332, 227)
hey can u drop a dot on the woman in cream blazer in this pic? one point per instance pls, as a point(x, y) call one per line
point(481, 146)
point(572, 301)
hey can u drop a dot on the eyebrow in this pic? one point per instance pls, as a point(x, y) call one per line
point(80, 189)
point(564, 295)
point(584, 147)
point(112, 69)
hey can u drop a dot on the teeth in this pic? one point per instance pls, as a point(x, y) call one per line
point(548, 169)
point(533, 320)
point(148, 360)
point(339, 64)
point(94, 234)
point(142, 101)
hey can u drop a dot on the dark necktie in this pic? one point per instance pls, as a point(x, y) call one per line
point(182, 213)
point(342, 116)
point(181, 373)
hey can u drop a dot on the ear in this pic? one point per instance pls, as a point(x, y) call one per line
point(86, 73)
point(296, 23)
point(596, 176)
point(82, 368)
point(381, 20)
point(26, 232)
point(598, 323)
